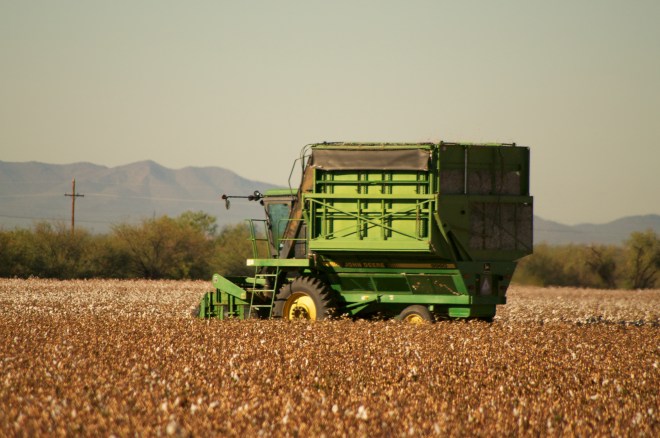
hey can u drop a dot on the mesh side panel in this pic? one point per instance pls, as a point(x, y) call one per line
point(500, 226)
point(525, 229)
point(480, 182)
point(451, 181)
point(487, 182)
point(507, 183)
point(508, 215)
point(490, 170)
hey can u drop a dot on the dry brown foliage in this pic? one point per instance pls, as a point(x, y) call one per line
point(125, 357)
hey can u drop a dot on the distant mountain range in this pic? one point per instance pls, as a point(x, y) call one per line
point(32, 192)
point(614, 233)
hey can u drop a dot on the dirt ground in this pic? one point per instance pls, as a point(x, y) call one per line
point(125, 357)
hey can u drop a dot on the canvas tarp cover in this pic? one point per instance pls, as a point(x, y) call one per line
point(371, 159)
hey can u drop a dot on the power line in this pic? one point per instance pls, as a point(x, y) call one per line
point(32, 217)
point(31, 195)
point(108, 195)
point(61, 219)
point(152, 198)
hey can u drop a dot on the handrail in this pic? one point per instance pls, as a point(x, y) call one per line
point(369, 197)
point(254, 239)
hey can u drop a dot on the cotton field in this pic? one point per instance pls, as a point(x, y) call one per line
point(125, 357)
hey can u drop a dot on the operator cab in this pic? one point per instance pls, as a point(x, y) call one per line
point(278, 203)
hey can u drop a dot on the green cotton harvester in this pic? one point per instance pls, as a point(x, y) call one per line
point(400, 230)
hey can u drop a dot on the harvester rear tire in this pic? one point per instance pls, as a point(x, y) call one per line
point(305, 298)
point(416, 314)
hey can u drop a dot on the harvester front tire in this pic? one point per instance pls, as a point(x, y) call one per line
point(305, 298)
point(416, 314)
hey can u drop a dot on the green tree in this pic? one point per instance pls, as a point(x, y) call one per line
point(110, 257)
point(16, 255)
point(200, 220)
point(601, 261)
point(59, 254)
point(642, 260)
point(48, 250)
point(549, 266)
point(165, 248)
point(232, 249)
point(570, 265)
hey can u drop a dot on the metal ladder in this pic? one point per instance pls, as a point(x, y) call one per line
point(264, 277)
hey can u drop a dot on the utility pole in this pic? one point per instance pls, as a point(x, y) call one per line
point(73, 196)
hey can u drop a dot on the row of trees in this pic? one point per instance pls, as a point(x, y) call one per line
point(635, 265)
point(190, 247)
point(186, 247)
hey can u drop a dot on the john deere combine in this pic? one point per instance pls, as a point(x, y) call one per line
point(395, 230)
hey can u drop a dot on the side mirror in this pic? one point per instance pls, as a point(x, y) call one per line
point(227, 203)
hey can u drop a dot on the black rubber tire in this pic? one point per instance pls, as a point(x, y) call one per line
point(416, 314)
point(309, 289)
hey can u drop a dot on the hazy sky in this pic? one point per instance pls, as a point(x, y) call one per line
point(245, 85)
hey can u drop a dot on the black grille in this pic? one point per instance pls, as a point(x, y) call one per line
point(500, 226)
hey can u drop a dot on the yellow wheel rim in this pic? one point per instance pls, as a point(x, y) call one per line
point(414, 318)
point(300, 306)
